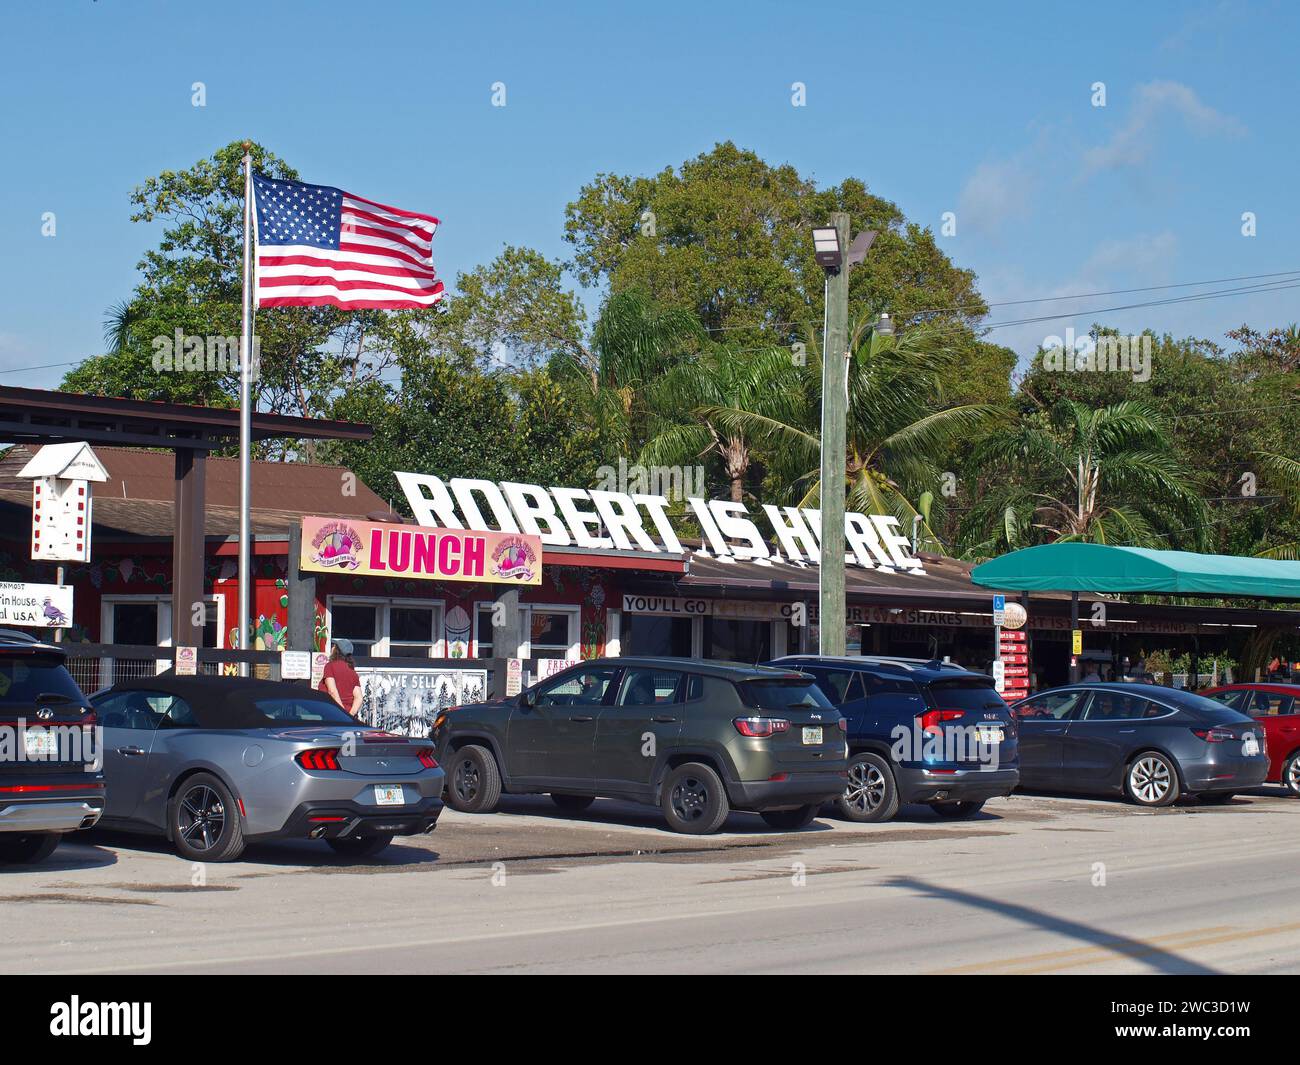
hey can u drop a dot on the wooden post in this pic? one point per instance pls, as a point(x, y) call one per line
point(188, 544)
point(302, 598)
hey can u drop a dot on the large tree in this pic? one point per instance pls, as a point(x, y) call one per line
point(728, 236)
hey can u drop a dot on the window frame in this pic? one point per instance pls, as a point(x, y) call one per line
point(384, 605)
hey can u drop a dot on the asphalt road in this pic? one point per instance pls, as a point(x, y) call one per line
point(1032, 885)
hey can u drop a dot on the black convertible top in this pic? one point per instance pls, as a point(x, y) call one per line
point(224, 702)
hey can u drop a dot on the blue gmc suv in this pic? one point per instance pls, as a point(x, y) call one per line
point(918, 732)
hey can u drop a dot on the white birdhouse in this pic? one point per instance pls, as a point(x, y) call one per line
point(61, 477)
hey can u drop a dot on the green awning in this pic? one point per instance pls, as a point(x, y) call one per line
point(1080, 567)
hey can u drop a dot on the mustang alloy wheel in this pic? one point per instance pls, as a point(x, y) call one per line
point(204, 820)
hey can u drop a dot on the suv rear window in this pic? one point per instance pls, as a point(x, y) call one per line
point(966, 693)
point(781, 694)
point(25, 676)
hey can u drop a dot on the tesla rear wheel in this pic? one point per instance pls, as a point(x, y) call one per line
point(694, 800)
point(204, 821)
point(790, 820)
point(573, 804)
point(359, 846)
point(1290, 776)
point(871, 793)
point(1152, 780)
point(473, 781)
point(27, 849)
point(957, 809)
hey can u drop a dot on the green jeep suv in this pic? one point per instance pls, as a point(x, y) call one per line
point(696, 738)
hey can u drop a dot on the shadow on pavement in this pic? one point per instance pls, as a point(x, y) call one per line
point(1159, 959)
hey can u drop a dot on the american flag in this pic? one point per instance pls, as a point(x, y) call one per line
point(318, 245)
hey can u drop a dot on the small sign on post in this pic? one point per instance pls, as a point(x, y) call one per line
point(514, 677)
point(295, 665)
point(999, 610)
point(187, 661)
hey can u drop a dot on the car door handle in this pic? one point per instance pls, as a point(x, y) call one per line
point(582, 719)
point(130, 751)
point(663, 720)
point(1126, 731)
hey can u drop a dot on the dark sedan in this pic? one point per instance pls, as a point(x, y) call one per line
point(1149, 743)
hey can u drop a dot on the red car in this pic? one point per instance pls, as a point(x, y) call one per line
point(1277, 708)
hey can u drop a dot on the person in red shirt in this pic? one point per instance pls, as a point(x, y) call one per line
point(340, 680)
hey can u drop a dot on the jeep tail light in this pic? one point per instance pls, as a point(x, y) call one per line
point(844, 724)
point(761, 727)
point(932, 720)
point(427, 759)
point(318, 758)
point(1214, 735)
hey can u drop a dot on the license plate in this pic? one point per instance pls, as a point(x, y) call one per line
point(1250, 745)
point(40, 744)
point(991, 735)
point(389, 795)
point(812, 734)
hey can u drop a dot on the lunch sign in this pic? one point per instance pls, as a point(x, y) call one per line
point(379, 549)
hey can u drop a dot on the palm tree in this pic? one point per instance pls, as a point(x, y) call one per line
point(691, 399)
point(898, 431)
point(1287, 471)
point(1107, 475)
point(633, 344)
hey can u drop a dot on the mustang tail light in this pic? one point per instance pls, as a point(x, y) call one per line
point(932, 720)
point(318, 758)
point(427, 759)
point(761, 727)
point(1214, 735)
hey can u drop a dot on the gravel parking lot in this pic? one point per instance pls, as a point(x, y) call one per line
point(1033, 884)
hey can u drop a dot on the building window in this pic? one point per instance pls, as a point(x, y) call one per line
point(552, 632)
point(388, 628)
point(483, 630)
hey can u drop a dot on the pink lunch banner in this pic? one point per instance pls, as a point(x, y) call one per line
point(378, 549)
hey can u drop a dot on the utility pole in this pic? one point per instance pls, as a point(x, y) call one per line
point(830, 594)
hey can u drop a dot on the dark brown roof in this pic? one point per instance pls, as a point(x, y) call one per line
point(137, 499)
point(45, 416)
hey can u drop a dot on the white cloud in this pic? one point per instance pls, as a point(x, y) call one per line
point(1153, 103)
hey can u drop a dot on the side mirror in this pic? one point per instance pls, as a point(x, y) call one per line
point(527, 698)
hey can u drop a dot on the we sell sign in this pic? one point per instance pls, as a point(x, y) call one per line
point(45, 606)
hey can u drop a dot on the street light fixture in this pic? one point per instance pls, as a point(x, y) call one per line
point(826, 245)
point(885, 325)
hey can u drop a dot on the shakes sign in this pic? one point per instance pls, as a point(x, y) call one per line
point(374, 549)
point(620, 521)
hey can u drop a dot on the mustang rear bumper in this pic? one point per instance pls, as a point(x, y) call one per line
point(330, 819)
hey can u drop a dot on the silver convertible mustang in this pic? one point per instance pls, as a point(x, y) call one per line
point(215, 763)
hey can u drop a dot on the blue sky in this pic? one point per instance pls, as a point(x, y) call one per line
point(984, 110)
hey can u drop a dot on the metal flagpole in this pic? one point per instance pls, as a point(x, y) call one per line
point(246, 413)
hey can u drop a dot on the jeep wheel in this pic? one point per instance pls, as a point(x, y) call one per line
point(473, 781)
point(871, 793)
point(694, 800)
point(790, 820)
